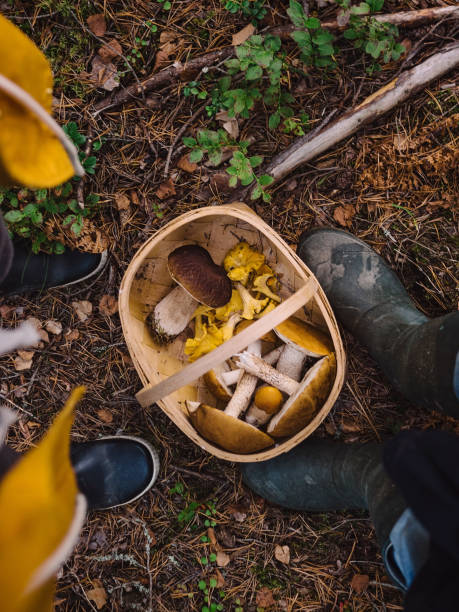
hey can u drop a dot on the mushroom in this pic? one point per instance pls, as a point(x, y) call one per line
point(199, 280)
point(266, 403)
point(220, 379)
point(251, 306)
point(305, 396)
point(302, 340)
point(229, 432)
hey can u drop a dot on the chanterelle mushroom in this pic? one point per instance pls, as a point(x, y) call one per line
point(200, 281)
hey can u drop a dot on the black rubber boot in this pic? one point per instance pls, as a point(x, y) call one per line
point(114, 471)
point(418, 355)
point(29, 272)
point(321, 476)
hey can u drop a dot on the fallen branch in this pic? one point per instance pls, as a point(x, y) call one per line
point(382, 101)
point(186, 71)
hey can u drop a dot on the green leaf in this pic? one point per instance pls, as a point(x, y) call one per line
point(265, 180)
point(301, 38)
point(296, 14)
point(212, 559)
point(167, 5)
point(254, 73)
point(322, 38)
point(202, 95)
point(13, 216)
point(350, 34)
point(36, 217)
point(232, 183)
point(266, 197)
point(77, 227)
point(256, 193)
point(326, 49)
point(196, 155)
point(246, 178)
point(188, 141)
point(215, 157)
point(202, 585)
point(212, 582)
point(255, 160)
point(312, 23)
point(59, 248)
point(362, 9)
point(274, 120)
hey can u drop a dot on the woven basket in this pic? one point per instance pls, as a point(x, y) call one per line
point(168, 378)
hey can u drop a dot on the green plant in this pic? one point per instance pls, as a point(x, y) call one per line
point(255, 9)
point(315, 43)
point(166, 4)
point(241, 167)
point(377, 39)
point(27, 211)
point(210, 142)
point(296, 126)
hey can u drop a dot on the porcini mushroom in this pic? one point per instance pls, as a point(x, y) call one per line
point(302, 340)
point(305, 396)
point(219, 380)
point(266, 403)
point(200, 281)
point(230, 433)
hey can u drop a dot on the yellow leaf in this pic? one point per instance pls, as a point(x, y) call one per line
point(30, 154)
point(38, 499)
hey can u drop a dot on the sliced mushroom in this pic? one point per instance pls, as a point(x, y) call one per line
point(303, 405)
point(302, 340)
point(220, 379)
point(267, 402)
point(200, 281)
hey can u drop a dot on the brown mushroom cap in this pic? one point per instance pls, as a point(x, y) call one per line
point(216, 384)
point(228, 432)
point(192, 268)
point(303, 405)
point(304, 337)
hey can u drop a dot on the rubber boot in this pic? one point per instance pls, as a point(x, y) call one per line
point(29, 271)
point(418, 355)
point(321, 476)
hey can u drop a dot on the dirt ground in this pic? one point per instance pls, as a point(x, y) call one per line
point(393, 184)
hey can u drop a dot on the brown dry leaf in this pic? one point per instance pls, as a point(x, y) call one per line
point(23, 361)
point(38, 326)
point(344, 214)
point(349, 425)
point(265, 598)
point(104, 75)
point(185, 164)
point(72, 334)
point(122, 201)
point(229, 124)
point(219, 578)
point(108, 305)
point(166, 189)
point(282, 554)
point(96, 23)
point(213, 540)
point(110, 51)
point(359, 582)
point(222, 559)
point(83, 309)
point(238, 511)
point(54, 327)
point(5, 311)
point(105, 415)
point(243, 35)
point(98, 595)
point(168, 45)
point(90, 240)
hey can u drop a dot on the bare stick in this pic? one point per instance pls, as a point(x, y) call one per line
point(382, 101)
point(179, 71)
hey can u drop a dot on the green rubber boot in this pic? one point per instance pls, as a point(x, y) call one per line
point(419, 356)
point(321, 476)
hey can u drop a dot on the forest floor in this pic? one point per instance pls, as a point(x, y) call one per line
point(394, 184)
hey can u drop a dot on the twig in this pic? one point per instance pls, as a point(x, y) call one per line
point(184, 127)
point(195, 474)
point(79, 194)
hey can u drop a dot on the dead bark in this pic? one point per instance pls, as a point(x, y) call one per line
point(186, 71)
point(379, 103)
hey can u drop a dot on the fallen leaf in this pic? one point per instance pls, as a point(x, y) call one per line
point(134, 197)
point(282, 554)
point(219, 578)
point(229, 124)
point(104, 75)
point(222, 559)
point(185, 164)
point(359, 582)
point(98, 596)
point(238, 511)
point(168, 45)
point(212, 538)
point(105, 415)
point(330, 428)
point(96, 23)
point(243, 35)
point(110, 51)
point(108, 305)
point(166, 189)
point(83, 309)
point(219, 182)
point(54, 327)
point(264, 598)
point(38, 326)
point(122, 201)
point(72, 334)
point(349, 425)
point(5, 311)
point(23, 361)
point(344, 214)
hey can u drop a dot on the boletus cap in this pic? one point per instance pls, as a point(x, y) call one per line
point(304, 337)
point(192, 268)
point(303, 405)
point(228, 432)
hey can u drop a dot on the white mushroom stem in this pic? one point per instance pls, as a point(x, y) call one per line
point(258, 367)
point(240, 401)
point(232, 376)
point(173, 313)
point(291, 362)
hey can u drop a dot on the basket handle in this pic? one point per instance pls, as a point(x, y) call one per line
point(152, 393)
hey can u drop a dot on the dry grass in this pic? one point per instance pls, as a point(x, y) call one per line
point(400, 199)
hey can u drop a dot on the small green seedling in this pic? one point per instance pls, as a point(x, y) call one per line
point(315, 43)
point(254, 9)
